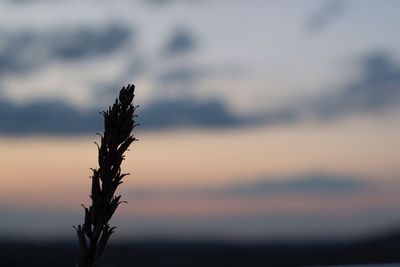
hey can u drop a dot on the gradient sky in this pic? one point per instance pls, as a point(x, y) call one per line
point(259, 119)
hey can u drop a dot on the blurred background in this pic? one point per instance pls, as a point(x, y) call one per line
point(260, 120)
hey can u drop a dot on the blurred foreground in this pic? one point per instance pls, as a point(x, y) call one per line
point(375, 250)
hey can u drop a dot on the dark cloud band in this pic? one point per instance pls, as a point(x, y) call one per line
point(29, 50)
point(60, 118)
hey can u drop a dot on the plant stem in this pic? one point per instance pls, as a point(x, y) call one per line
point(94, 233)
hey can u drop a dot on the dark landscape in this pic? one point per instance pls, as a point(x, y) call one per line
point(379, 249)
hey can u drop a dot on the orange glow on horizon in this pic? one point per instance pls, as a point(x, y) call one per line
point(55, 171)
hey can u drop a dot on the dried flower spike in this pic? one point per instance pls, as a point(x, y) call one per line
point(119, 122)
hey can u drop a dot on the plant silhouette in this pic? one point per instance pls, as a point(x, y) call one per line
point(119, 122)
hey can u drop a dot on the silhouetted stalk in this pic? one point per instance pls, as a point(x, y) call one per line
point(94, 233)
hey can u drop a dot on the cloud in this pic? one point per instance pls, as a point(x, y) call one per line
point(325, 15)
point(376, 89)
point(163, 3)
point(181, 42)
point(28, 50)
point(54, 117)
point(188, 113)
point(49, 117)
point(84, 42)
point(186, 75)
point(312, 184)
point(321, 184)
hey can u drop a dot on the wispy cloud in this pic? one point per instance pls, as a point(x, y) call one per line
point(181, 42)
point(325, 15)
point(183, 75)
point(162, 3)
point(312, 184)
point(376, 89)
point(29, 50)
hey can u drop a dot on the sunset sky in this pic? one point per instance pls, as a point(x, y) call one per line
point(259, 119)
